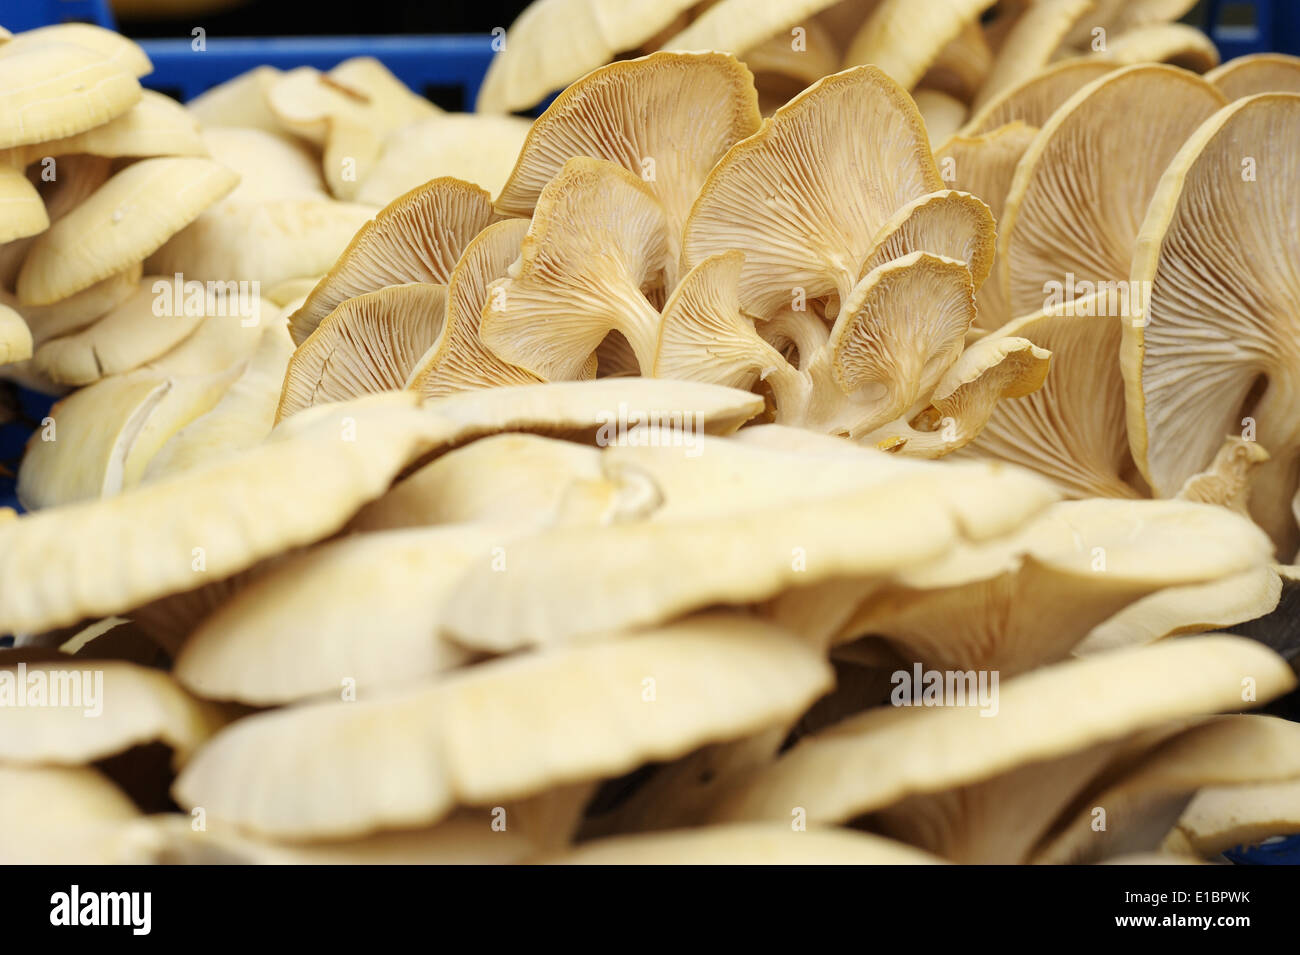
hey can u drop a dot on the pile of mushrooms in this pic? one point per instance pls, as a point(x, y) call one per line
point(733, 464)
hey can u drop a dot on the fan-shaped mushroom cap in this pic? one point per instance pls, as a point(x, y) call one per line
point(955, 225)
point(241, 101)
point(23, 211)
point(15, 337)
point(1174, 43)
point(554, 42)
point(666, 118)
point(1118, 16)
point(127, 218)
point(1030, 599)
point(453, 744)
point(103, 557)
point(266, 242)
point(458, 360)
point(745, 844)
point(132, 705)
point(581, 273)
point(1077, 201)
point(368, 344)
point(130, 334)
point(737, 25)
point(989, 371)
point(1028, 47)
point(1202, 343)
point(1220, 817)
point(417, 237)
point(1230, 750)
point(61, 814)
point(1072, 430)
point(75, 312)
point(806, 216)
point(349, 111)
point(1033, 100)
point(1257, 73)
point(1042, 715)
point(704, 337)
point(104, 435)
point(1196, 608)
point(361, 611)
point(476, 148)
point(242, 418)
point(508, 478)
point(155, 126)
point(55, 89)
point(598, 410)
point(849, 532)
point(943, 114)
point(904, 37)
point(108, 44)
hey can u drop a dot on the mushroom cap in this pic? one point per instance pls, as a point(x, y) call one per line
point(1257, 73)
point(596, 411)
point(955, 225)
point(368, 344)
point(962, 66)
point(1035, 595)
point(806, 217)
point(240, 101)
point(105, 434)
point(109, 44)
point(1029, 46)
point(1072, 430)
point(417, 237)
point(703, 336)
point(1035, 98)
point(507, 478)
point(127, 218)
point(737, 25)
point(458, 360)
point(1221, 817)
point(301, 485)
point(75, 312)
point(899, 331)
point(1194, 608)
point(1044, 714)
point(581, 272)
point(15, 337)
point(481, 149)
point(242, 418)
point(134, 704)
point(1195, 353)
point(904, 37)
point(24, 212)
point(745, 844)
point(125, 337)
point(984, 165)
point(1118, 16)
point(62, 814)
point(1174, 43)
point(554, 42)
point(268, 242)
point(667, 118)
point(51, 90)
point(156, 125)
point(852, 533)
point(1228, 750)
point(363, 608)
point(1078, 197)
point(573, 715)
